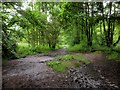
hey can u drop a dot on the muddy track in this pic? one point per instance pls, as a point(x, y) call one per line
point(109, 71)
point(100, 73)
point(32, 72)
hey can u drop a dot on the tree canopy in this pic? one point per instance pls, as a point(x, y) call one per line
point(56, 24)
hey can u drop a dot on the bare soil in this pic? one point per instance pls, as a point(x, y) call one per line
point(32, 72)
point(107, 70)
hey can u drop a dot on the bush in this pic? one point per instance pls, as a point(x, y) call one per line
point(8, 48)
point(74, 48)
point(80, 47)
point(41, 49)
point(24, 49)
point(117, 48)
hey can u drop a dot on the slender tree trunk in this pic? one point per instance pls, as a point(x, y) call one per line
point(86, 21)
point(82, 30)
point(103, 20)
point(39, 33)
point(113, 27)
point(109, 43)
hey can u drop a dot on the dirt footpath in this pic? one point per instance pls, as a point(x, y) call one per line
point(109, 71)
point(32, 72)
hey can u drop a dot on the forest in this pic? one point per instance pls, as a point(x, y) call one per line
point(63, 32)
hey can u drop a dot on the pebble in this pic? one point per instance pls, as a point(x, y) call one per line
point(75, 78)
point(99, 71)
point(116, 86)
point(85, 81)
point(108, 82)
point(112, 85)
point(102, 77)
point(53, 80)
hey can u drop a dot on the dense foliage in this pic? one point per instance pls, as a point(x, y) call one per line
point(51, 25)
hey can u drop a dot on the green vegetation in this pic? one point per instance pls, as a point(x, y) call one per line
point(62, 63)
point(81, 58)
point(65, 57)
point(79, 47)
point(60, 66)
point(113, 56)
point(24, 49)
point(44, 26)
point(110, 55)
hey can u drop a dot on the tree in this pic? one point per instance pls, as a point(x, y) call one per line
point(8, 38)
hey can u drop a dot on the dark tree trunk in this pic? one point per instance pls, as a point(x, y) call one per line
point(53, 46)
point(109, 42)
point(103, 20)
point(77, 38)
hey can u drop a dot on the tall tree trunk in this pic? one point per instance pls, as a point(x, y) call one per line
point(82, 30)
point(109, 27)
point(103, 20)
point(86, 22)
point(113, 28)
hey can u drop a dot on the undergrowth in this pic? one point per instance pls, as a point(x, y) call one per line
point(24, 49)
point(79, 47)
point(114, 56)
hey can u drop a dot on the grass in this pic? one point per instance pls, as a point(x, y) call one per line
point(110, 55)
point(57, 66)
point(81, 58)
point(79, 47)
point(62, 63)
point(65, 57)
point(113, 56)
point(60, 66)
point(97, 52)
